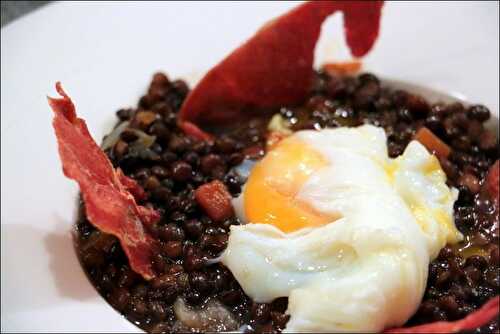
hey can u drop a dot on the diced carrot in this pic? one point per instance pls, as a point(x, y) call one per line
point(215, 199)
point(343, 68)
point(492, 182)
point(432, 142)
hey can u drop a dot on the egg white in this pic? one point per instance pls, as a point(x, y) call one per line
point(367, 270)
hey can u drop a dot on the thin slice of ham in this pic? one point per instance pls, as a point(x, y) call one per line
point(274, 67)
point(477, 319)
point(108, 194)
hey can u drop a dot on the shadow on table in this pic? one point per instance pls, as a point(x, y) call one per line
point(71, 280)
point(40, 267)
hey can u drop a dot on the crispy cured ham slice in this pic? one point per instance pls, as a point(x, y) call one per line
point(474, 320)
point(108, 194)
point(274, 67)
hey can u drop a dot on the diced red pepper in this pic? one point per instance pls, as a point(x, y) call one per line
point(492, 183)
point(215, 199)
point(194, 131)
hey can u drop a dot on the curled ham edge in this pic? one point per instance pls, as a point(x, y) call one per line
point(479, 318)
point(107, 193)
point(274, 67)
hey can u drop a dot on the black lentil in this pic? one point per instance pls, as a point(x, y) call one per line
point(461, 278)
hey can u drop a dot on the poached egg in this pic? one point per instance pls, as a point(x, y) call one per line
point(342, 230)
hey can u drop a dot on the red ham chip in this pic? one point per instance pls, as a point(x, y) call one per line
point(132, 186)
point(275, 66)
point(477, 319)
point(108, 194)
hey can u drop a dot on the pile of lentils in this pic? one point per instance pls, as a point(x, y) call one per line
point(169, 166)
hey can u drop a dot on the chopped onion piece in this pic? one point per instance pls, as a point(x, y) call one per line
point(143, 140)
point(212, 317)
point(113, 137)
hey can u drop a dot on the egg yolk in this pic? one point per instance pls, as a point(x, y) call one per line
point(271, 189)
